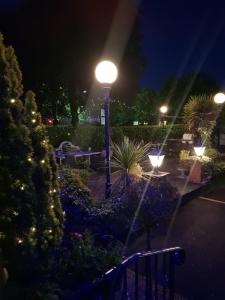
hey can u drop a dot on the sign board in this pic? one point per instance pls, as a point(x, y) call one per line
point(102, 116)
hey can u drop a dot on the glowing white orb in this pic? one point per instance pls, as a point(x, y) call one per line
point(106, 72)
point(163, 109)
point(219, 98)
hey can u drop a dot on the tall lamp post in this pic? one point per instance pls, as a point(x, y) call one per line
point(219, 99)
point(163, 110)
point(106, 73)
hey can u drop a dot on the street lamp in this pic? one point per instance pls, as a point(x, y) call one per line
point(219, 99)
point(156, 158)
point(163, 110)
point(106, 73)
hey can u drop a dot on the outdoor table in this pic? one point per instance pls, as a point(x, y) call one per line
point(76, 154)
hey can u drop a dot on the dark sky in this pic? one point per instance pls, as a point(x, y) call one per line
point(181, 36)
point(178, 36)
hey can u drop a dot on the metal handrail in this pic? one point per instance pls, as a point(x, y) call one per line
point(106, 287)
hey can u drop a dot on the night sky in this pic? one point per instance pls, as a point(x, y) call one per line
point(181, 36)
point(178, 37)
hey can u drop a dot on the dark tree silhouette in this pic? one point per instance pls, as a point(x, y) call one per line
point(60, 42)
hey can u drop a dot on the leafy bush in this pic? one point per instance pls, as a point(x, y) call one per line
point(150, 201)
point(83, 258)
point(75, 197)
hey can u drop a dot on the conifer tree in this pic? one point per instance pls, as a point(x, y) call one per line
point(48, 210)
point(16, 187)
point(30, 213)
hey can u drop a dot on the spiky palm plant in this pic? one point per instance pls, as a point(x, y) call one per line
point(127, 157)
point(200, 115)
point(199, 112)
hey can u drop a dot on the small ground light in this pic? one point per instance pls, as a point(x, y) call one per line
point(199, 147)
point(33, 112)
point(12, 100)
point(156, 158)
point(199, 151)
point(33, 121)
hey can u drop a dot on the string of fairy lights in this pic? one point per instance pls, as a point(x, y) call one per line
point(23, 187)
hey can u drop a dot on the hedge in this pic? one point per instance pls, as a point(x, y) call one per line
point(93, 136)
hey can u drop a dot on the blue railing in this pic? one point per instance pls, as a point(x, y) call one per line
point(147, 275)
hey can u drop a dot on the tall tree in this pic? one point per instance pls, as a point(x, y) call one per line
point(48, 210)
point(146, 107)
point(30, 213)
point(16, 187)
point(76, 35)
point(176, 91)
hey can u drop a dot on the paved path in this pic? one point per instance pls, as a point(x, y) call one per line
point(199, 227)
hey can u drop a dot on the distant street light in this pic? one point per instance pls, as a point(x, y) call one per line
point(163, 110)
point(106, 73)
point(219, 99)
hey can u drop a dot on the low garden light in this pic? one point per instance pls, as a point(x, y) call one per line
point(199, 148)
point(156, 157)
point(106, 73)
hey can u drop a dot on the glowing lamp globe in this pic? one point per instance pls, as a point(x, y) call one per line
point(106, 72)
point(156, 158)
point(219, 98)
point(163, 109)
